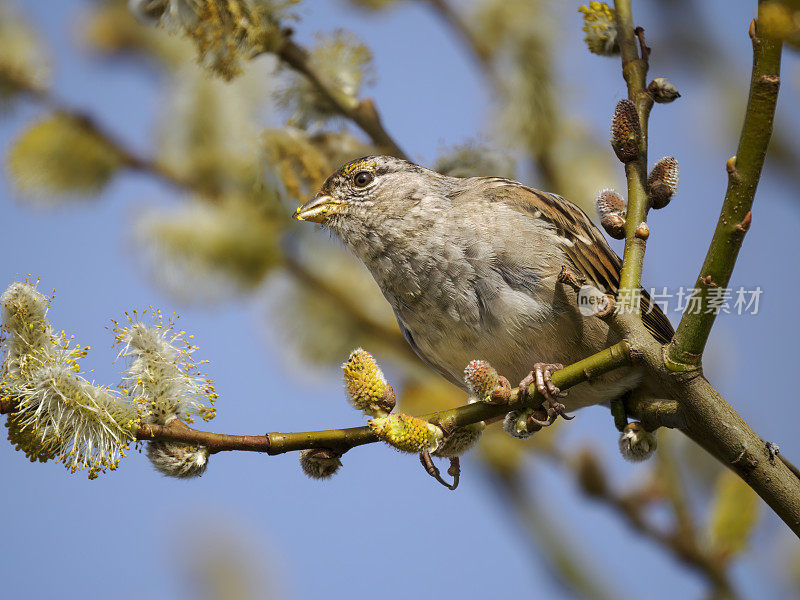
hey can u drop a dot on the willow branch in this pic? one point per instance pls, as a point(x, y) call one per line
point(363, 113)
point(634, 70)
point(129, 158)
point(543, 157)
point(178, 431)
point(744, 172)
point(343, 439)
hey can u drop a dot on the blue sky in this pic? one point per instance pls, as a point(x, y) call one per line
point(380, 527)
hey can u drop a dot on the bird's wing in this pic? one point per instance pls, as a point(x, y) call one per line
point(583, 243)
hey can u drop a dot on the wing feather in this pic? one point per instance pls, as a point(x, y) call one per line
point(583, 243)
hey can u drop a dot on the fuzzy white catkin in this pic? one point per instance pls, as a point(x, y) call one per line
point(25, 320)
point(59, 413)
point(162, 379)
point(637, 444)
point(317, 465)
point(153, 373)
point(515, 424)
point(460, 440)
point(177, 459)
point(81, 424)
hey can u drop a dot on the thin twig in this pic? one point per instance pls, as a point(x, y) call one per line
point(129, 157)
point(679, 546)
point(790, 465)
point(363, 113)
point(543, 158)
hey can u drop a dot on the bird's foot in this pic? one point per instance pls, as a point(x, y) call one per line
point(542, 377)
point(574, 280)
point(454, 471)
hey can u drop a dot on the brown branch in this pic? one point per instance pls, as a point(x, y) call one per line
point(363, 113)
point(128, 157)
point(675, 542)
point(565, 560)
point(178, 431)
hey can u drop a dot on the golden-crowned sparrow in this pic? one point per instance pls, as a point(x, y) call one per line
point(471, 268)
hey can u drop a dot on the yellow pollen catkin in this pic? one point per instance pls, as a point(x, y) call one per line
point(407, 433)
point(364, 383)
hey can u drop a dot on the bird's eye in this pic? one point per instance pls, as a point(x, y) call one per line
point(363, 178)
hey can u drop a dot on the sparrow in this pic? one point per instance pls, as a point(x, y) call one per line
point(471, 267)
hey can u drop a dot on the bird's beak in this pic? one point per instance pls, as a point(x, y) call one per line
point(317, 209)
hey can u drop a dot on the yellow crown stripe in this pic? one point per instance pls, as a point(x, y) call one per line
point(358, 165)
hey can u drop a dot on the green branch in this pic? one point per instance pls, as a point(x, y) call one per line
point(744, 171)
point(343, 439)
point(696, 408)
point(634, 70)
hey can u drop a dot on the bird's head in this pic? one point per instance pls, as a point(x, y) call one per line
point(365, 192)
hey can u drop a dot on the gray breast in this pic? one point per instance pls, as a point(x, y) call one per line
point(457, 293)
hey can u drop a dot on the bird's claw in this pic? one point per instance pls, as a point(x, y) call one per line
point(542, 377)
point(454, 471)
point(573, 280)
